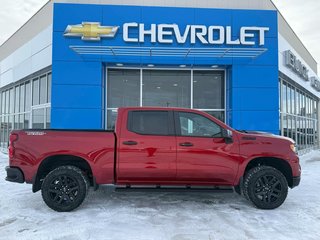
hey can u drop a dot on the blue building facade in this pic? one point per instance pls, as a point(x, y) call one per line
point(95, 47)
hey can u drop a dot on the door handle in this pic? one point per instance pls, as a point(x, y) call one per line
point(130, 143)
point(186, 144)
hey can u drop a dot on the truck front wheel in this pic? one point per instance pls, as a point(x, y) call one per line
point(64, 188)
point(265, 187)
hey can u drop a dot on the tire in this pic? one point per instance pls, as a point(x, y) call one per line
point(265, 187)
point(64, 188)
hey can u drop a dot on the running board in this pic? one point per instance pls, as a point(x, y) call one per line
point(174, 189)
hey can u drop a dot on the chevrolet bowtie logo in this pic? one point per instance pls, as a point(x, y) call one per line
point(91, 31)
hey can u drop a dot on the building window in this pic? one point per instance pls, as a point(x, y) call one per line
point(35, 92)
point(298, 115)
point(166, 88)
point(197, 89)
point(124, 87)
point(38, 118)
point(22, 98)
point(17, 100)
point(25, 105)
point(43, 90)
point(49, 86)
point(208, 90)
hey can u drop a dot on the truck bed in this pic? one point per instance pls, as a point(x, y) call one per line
point(95, 146)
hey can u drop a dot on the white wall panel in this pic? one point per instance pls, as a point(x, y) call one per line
point(33, 56)
point(41, 41)
point(42, 59)
point(22, 70)
point(6, 64)
point(21, 54)
point(6, 78)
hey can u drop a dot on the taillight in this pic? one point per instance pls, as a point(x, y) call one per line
point(13, 138)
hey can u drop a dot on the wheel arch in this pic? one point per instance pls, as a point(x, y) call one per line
point(278, 163)
point(52, 162)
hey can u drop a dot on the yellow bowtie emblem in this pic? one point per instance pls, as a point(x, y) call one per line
point(90, 31)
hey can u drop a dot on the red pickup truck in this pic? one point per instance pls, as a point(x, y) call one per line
point(159, 148)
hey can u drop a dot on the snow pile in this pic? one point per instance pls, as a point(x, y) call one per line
point(168, 216)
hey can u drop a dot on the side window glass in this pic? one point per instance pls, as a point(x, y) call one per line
point(195, 125)
point(149, 122)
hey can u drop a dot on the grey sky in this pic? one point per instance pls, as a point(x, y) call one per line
point(303, 17)
point(13, 14)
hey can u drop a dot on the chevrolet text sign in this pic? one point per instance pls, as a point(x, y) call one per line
point(166, 33)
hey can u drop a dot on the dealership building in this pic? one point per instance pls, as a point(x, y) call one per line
point(74, 63)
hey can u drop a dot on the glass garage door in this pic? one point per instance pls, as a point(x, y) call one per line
point(198, 89)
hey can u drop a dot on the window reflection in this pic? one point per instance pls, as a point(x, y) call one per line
point(298, 115)
point(208, 90)
point(43, 89)
point(17, 103)
point(35, 92)
point(124, 87)
point(166, 88)
point(38, 119)
point(111, 116)
point(196, 125)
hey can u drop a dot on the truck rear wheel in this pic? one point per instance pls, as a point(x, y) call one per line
point(64, 188)
point(265, 187)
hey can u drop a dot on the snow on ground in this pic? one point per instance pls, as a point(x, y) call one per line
point(173, 216)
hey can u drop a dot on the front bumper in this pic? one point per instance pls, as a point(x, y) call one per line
point(295, 181)
point(14, 175)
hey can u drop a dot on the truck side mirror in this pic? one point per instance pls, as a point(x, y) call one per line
point(227, 135)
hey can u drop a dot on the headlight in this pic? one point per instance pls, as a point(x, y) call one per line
point(293, 148)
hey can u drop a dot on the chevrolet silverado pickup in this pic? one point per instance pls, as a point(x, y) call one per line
point(154, 148)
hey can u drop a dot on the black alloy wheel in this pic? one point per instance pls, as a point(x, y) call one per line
point(266, 187)
point(64, 188)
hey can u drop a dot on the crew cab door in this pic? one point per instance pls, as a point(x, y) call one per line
point(203, 156)
point(147, 148)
